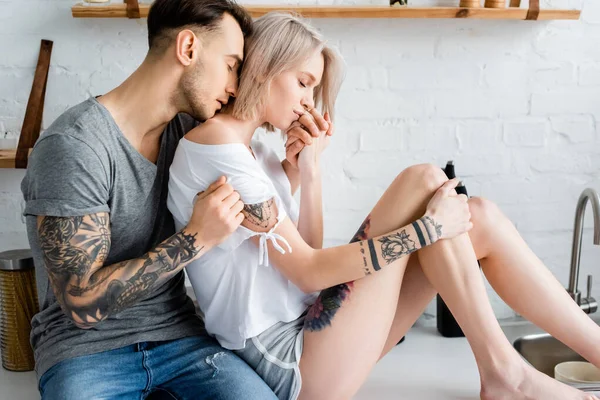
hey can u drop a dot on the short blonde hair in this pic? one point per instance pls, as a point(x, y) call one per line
point(279, 41)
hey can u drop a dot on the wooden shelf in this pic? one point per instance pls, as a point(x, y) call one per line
point(7, 158)
point(119, 10)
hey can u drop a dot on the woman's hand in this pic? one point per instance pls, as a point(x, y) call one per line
point(309, 158)
point(447, 214)
point(302, 133)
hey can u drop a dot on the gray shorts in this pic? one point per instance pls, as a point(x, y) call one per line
point(275, 356)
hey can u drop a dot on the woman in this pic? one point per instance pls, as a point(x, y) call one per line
point(258, 288)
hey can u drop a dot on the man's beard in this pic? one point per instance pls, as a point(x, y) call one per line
point(193, 95)
point(198, 109)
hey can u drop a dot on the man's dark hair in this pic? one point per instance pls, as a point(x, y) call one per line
point(169, 16)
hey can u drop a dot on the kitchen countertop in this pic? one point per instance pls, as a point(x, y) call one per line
point(425, 366)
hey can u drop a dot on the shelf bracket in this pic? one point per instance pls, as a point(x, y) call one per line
point(32, 123)
point(133, 9)
point(534, 10)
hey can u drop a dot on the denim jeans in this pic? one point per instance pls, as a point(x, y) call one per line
point(190, 368)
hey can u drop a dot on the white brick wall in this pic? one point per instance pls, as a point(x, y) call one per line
point(516, 105)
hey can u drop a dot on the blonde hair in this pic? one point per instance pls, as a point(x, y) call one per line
point(279, 42)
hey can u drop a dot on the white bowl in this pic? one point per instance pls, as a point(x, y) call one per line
point(577, 372)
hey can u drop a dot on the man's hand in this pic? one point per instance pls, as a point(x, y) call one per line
point(217, 214)
point(301, 133)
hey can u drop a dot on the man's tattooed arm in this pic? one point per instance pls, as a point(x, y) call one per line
point(75, 249)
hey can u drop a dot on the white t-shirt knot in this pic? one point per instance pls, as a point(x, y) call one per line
point(263, 253)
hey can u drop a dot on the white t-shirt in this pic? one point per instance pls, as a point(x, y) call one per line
point(240, 293)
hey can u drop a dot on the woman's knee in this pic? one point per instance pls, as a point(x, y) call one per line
point(426, 176)
point(488, 223)
point(484, 211)
point(488, 220)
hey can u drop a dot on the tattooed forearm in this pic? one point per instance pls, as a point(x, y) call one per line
point(97, 279)
point(373, 253)
point(382, 251)
point(75, 249)
point(429, 227)
point(396, 245)
point(366, 268)
point(432, 226)
point(378, 252)
point(419, 232)
point(158, 265)
point(259, 214)
point(360, 236)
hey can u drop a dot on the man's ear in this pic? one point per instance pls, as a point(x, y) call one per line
point(187, 47)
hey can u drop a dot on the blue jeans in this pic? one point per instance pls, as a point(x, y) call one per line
point(190, 368)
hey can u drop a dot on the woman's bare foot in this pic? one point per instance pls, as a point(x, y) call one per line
point(522, 382)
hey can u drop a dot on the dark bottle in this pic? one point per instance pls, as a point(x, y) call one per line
point(446, 323)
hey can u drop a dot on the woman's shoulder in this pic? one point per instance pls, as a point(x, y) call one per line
point(213, 132)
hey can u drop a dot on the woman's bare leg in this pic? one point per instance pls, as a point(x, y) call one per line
point(526, 285)
point(521, 280)
point(516, 274)
point(330, 370)
point(416, 293)
point(342, 345)
point(451, 267)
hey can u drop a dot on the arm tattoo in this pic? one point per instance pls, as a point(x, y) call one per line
point(365, 264)
point(259, 214)
point(419, 233)
point(361, 235)
point(374, 259)
point(396, 245)
point(75, 249)
point(434, 230)
point(56, 233)
point(393, 246)
point(157, 265)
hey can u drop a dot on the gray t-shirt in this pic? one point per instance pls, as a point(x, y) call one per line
point(83, 164)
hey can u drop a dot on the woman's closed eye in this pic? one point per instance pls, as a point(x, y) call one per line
point(302, 84)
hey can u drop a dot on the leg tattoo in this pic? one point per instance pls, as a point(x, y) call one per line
point(330, 300)
point(328, 303)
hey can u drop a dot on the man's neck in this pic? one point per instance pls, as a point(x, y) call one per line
point(143, 105)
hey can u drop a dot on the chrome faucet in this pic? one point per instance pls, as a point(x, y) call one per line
point(587, 304)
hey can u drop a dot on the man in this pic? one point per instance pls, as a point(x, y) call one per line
point(115, 319)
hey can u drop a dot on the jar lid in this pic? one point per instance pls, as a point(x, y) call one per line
point(16, 260)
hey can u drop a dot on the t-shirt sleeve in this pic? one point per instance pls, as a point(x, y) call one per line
point(246, 177)
point(243, 172)
point(65, 177)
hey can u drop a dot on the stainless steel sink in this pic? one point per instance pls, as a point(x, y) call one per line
point(543, 352)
